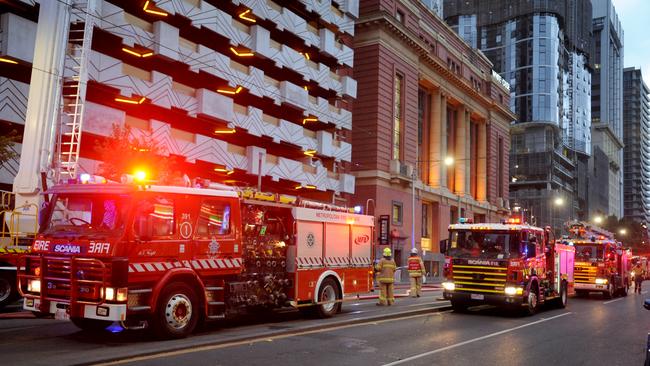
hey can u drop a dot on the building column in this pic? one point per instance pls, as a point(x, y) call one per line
point(460, 158)
point(443, 139)
point(435, 136)
point(468, 152)
point(481, 168)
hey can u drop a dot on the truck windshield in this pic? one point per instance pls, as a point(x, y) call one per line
point(484, 244)
point(88, 215)
point(589, 252)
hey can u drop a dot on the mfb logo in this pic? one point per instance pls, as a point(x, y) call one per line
point(362, 239)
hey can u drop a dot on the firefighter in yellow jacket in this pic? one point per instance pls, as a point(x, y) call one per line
point(416, 272)
point(386, 276)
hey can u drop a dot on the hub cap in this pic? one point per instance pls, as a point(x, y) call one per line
point(178, 311)
point(328, 296)
point(5, 289)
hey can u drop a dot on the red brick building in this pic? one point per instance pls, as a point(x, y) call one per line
point(430, 112)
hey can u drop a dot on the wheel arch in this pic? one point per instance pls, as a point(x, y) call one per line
point(185, 275)
point(328, 274)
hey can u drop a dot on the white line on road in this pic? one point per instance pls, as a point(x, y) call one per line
point(644, 292)
point(611, 301)
point(425, 354)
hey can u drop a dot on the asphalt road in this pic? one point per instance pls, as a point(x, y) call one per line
point(590, 331)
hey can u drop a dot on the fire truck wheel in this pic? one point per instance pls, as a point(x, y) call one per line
point(328, 293)
point(562, 300)
point(90, 325)
point(610, 291)
point(532, 301)
point(624, 289)
point(8, 292)
point(177, 312)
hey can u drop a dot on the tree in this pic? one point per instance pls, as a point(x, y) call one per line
point(6, 146)
point(123, 153)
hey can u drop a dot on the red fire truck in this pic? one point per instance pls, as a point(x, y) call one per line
point(510, 265)
point(169, 257)
point(602, 264)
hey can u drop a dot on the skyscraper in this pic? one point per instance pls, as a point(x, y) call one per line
point(607, 110)
point(636, 125)
point(542, 49)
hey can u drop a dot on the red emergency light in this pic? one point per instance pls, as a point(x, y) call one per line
point(514, 220)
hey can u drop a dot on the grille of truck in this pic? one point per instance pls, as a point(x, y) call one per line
point(479, 278)
point(585, 273)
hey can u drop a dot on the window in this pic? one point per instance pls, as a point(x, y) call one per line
point(500, 168)
point(214, 219)
point(425, 220)
point(397, 118)
point(397, 213)
point(155, 218)
point(399, 16)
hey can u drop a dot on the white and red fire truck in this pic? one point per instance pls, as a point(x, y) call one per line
point(602, 264)
point(170, 257)
point(511, 265)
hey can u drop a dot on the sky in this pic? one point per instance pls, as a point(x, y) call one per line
point(634, 16)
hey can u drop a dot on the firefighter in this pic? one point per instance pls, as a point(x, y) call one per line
point(637, 273)
point(416, 272)
point(386, 276)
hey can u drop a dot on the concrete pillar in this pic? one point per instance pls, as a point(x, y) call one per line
point(435, 137)
point(43, 102)
point(481, 169)
point(468, 152)
point(460, 153)
point(443, 138)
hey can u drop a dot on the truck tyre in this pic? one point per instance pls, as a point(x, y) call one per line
point(563, 298)
point(328, 294)
point(458, 306)
point(624, 288)
point(8, 291)
point(176, 313)
point(91, 325)
point(610, 293)
point(532, 301)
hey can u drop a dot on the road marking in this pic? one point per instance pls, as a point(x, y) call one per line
point(425, 304)
point(254, 340)
point(644, 292)
point(611, 301)
point(425, 354)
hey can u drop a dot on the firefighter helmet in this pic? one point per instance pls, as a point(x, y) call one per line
point(387, 252)
point(414, 251)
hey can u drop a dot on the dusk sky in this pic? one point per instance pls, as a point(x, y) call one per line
point(635, 16)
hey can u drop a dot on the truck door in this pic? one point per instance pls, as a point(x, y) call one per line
point(157, 246)
point(216, 245)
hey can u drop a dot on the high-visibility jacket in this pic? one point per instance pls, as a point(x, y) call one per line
point(638, 272)
point(386, 270)
point(416, 266)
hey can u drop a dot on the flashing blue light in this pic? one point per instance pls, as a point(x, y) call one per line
point(465, 220)
point(357, 209)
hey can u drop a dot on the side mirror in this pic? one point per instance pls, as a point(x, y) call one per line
point(444, 246)
point(531, 250)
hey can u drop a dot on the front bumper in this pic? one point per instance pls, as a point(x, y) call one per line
point(590, 287)
point(475, 299)
point(113, 312)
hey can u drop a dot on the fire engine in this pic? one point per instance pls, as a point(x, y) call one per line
point(169, 257)
point(511, 265)
point(602, 264)
point(17, 231)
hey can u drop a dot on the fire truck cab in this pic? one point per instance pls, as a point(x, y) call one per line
point(602, 264)
point(511, 265)
point(170, 257)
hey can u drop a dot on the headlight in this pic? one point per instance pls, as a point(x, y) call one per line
point(109, 293)
point(511, 290)
point(449, 286)
point(113, 294)
point(601, 281)
point(34, 286)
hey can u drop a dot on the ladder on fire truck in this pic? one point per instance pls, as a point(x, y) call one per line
point(75, 82)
